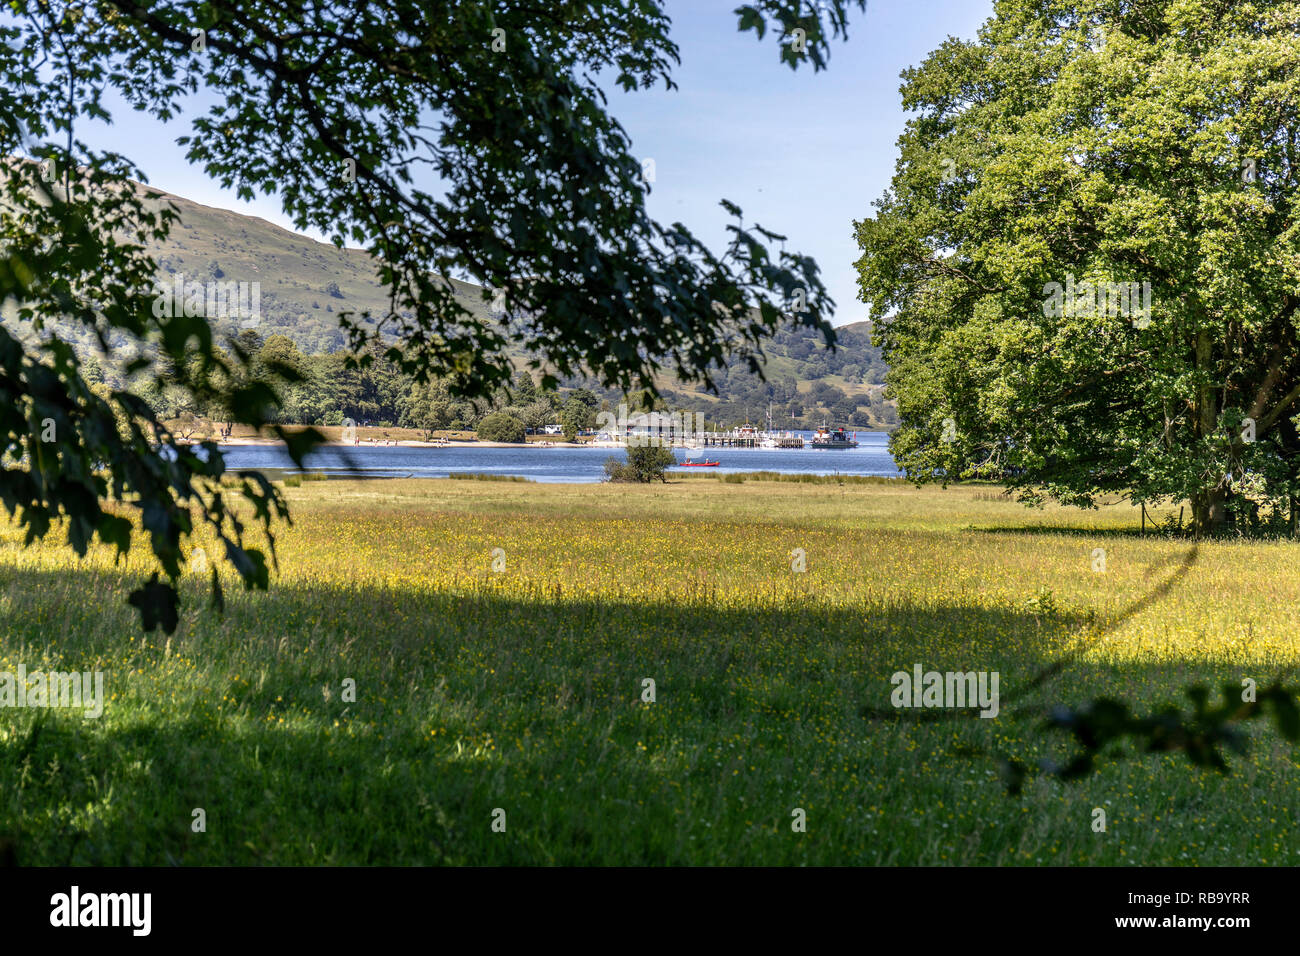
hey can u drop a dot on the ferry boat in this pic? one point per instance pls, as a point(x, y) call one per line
point(834, 438)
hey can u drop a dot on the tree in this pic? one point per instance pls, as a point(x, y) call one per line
point(585, 397)
point(278, 362)
point(538, 414)
point(92, 370)
point(644, 463)
point(540, 196)
point(426, 407)
point(525, 388)
point(524, 91)
point(845, 410)
point(500, 426)
point(579, 413)
point(277, 353)
point(1089, 274)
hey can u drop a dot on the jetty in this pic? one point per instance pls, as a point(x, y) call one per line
point(746, 437)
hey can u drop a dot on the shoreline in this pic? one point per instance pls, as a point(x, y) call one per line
point(412, 443)
point(334, 440)
point(446, 443)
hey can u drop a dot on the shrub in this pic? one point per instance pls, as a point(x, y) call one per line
point(615, 470)
point(644, 463)
point(501, 427)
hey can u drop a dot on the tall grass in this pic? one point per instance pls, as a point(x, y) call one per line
point(478, 476)
point(392, 689)
point(740, 477)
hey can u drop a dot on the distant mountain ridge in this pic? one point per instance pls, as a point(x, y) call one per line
point(304, 284)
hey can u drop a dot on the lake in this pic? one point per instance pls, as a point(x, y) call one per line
point(561, 464)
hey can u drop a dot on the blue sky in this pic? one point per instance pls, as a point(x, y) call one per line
point(801, 153)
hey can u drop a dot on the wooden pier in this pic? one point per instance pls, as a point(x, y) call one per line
point(731, 440)
point(750, 440)
point(670, 433)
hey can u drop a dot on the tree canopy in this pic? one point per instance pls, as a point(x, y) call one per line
point(463, 138)
point(1087, 267)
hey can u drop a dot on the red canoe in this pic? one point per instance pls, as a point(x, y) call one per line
point(699, 464)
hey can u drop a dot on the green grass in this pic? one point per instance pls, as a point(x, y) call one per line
point(521, 689)
point(478, 476)
point(740, 477)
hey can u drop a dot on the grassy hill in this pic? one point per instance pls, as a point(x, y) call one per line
point(305, 284)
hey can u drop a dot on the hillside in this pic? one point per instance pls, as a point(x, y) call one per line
point(305, 284)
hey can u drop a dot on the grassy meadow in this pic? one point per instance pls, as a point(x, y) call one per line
point(521, 689)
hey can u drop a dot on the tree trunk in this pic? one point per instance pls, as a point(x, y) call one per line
point(1210, 512)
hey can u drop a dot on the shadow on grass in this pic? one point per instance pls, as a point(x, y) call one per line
point(1075, 532)
point(470, 702)
point(1151, 533)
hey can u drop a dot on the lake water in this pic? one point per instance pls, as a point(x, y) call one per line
point(562, 464)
